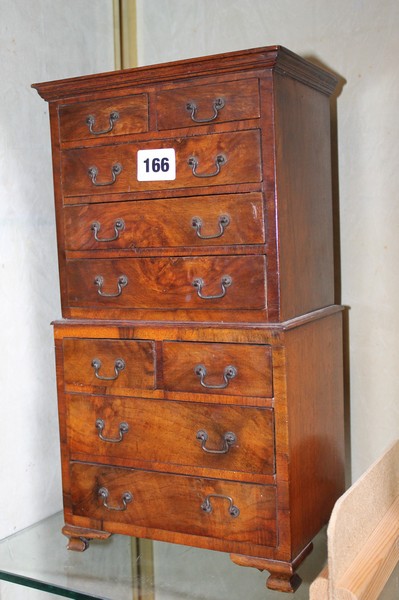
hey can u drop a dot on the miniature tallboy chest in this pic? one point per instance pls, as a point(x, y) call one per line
point(199, 359)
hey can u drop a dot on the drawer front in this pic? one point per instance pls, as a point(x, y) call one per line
point(225, 282)
point(241, 152)
point(201, 104)
point(97, 363)
point(175, 503)
point(209, 220)
point(104, 118)
point(183, 433)
point(241, 369)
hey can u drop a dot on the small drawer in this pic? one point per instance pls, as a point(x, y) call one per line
point(117, 366)
point(202, 104)
point(219, 282)
point(206, 507)
point(242, 369)
point(207, 160)
point(172, 433)
point(104, 118)
point(209, 220)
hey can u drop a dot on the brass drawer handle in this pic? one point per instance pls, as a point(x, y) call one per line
point(123, 428)
point(228, 374)
point(119, 226)
point(91, 119)
point(218, 104)
point(229, 438)
point(126, 498)
point(119, 365)
point(223, 222)
point(225, 282)
point(207, 506)
point(116, 169)
point(121, 283)
point(219, 161)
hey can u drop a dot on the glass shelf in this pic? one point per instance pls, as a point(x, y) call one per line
point(124, 568)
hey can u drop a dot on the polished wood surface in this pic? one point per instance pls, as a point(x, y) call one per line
point(241, 152)
point(166, 224)
point(277, 147)
point(240, 101)
point(303, 185)
point(137, 374)
point(173, 502)
point(132, 118)
point(256, 360)
point(266, 60)
point(253, 366)
point(315, 422)
point(167, 283)
point(166, 432)
point(303, 353)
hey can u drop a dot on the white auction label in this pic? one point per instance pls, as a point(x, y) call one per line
point(156, 165)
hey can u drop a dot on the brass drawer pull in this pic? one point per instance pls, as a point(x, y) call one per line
point(123, 428)
point(225, 282)
point(223, 222)
point(113, 117)
point(218, 104)
point(116, 169)
point(207, 506)
point(121, 283)
point(229, 373)
point(119, 226)
point(119, 365)
point(219, 161)
point(229, 438)
point(126, 498)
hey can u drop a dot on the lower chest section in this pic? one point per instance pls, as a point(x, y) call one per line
point(169, 435)
point(223, 437)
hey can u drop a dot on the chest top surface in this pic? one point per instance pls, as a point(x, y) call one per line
point(268, 58)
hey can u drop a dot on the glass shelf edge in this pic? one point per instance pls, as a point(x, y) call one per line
point(46, 587)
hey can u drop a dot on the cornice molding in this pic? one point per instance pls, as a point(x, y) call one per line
point(275, 58)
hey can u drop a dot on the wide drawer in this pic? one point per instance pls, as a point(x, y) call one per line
point(242, 369)
point(172, 433)
point(103, 118)
point(117, 366)
point(197, 506)
point(209, 220)
point(200, 104)
point(113, 169)
point(224, 282)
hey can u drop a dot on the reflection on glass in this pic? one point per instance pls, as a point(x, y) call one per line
point(124, 568)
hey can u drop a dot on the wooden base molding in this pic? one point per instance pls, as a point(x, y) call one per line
point(79, 537)
point(283, 576)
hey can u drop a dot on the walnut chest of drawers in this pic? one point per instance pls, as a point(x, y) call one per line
point(199, 359)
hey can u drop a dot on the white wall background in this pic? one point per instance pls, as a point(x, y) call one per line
point(359, 41)
point(39, 41)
